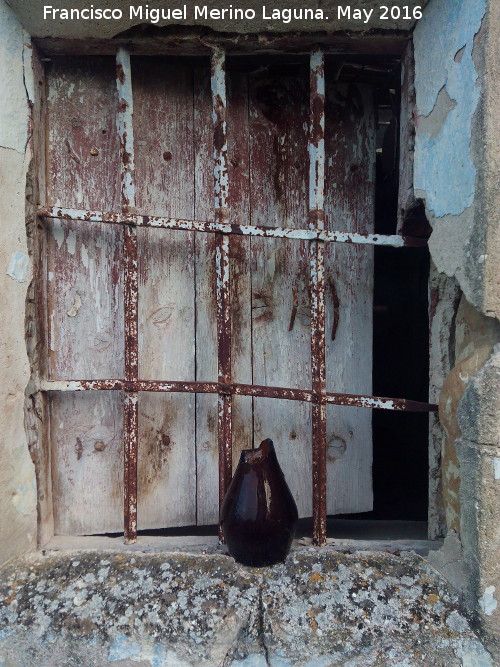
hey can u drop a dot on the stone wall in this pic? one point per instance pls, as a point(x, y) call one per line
point(456, 174)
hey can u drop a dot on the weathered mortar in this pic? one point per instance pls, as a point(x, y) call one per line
point(96, 609)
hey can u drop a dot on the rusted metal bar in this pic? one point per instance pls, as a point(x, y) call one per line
point(131, 291)
point(131, 429)
point(125, 128)
point(112, 217)
point(131, 295)
point(317, 140)
point(317, 273)
point(260, 391)
point(221, 189)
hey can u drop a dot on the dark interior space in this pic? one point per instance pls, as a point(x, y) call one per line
point(400, 335)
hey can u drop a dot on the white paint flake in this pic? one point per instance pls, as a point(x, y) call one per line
point(71, 242)
point(19, 266)
point(488, 603)
point(85, 256)
point(77, 304)
point(58, 232)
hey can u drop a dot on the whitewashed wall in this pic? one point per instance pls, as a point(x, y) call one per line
point(17, 475)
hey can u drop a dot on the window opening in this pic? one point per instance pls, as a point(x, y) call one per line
point(223, 228)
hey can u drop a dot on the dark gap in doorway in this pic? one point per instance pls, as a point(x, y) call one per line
point(400, 336)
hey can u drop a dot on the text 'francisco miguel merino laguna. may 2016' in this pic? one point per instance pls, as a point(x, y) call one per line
point(146, 13)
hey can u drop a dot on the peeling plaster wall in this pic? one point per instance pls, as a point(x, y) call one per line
point(17, 477)
point(446, 99)
point(456, 173)
point(448, 92)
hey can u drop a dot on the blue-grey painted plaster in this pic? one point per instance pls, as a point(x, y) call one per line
point(444, 170)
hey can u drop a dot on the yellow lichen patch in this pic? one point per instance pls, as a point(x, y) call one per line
point(312, 620)
point(316, 576)
point(432, 599)
point(12, 596)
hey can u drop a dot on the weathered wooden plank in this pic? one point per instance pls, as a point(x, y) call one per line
point(278, 117)
point(85, 301)
point(166, 462)
point(349, 205)
point(240, 261)
point(84, 294)
point(164, 168)
point(82, 134)
point(87, 469)
point(207, 499)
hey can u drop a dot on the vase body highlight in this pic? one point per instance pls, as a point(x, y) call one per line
point(258, 514)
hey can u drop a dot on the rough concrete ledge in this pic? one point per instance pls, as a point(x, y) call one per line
point(209, 544)
point(318, 609)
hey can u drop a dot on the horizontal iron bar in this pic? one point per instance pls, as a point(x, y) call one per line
point(112, 217)
point(305, 395)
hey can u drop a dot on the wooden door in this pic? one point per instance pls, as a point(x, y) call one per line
point(268, 176)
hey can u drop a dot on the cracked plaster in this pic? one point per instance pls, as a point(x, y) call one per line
point(443, 129)
point(17, 479)
point(449, 154)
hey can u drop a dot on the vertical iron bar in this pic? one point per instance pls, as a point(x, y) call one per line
point(317, 266)
point(224, 427)
point(130, 420)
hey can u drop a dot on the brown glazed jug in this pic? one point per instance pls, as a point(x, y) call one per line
point(258, 514)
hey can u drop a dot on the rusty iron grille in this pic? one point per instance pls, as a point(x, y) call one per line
point(313, 231)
